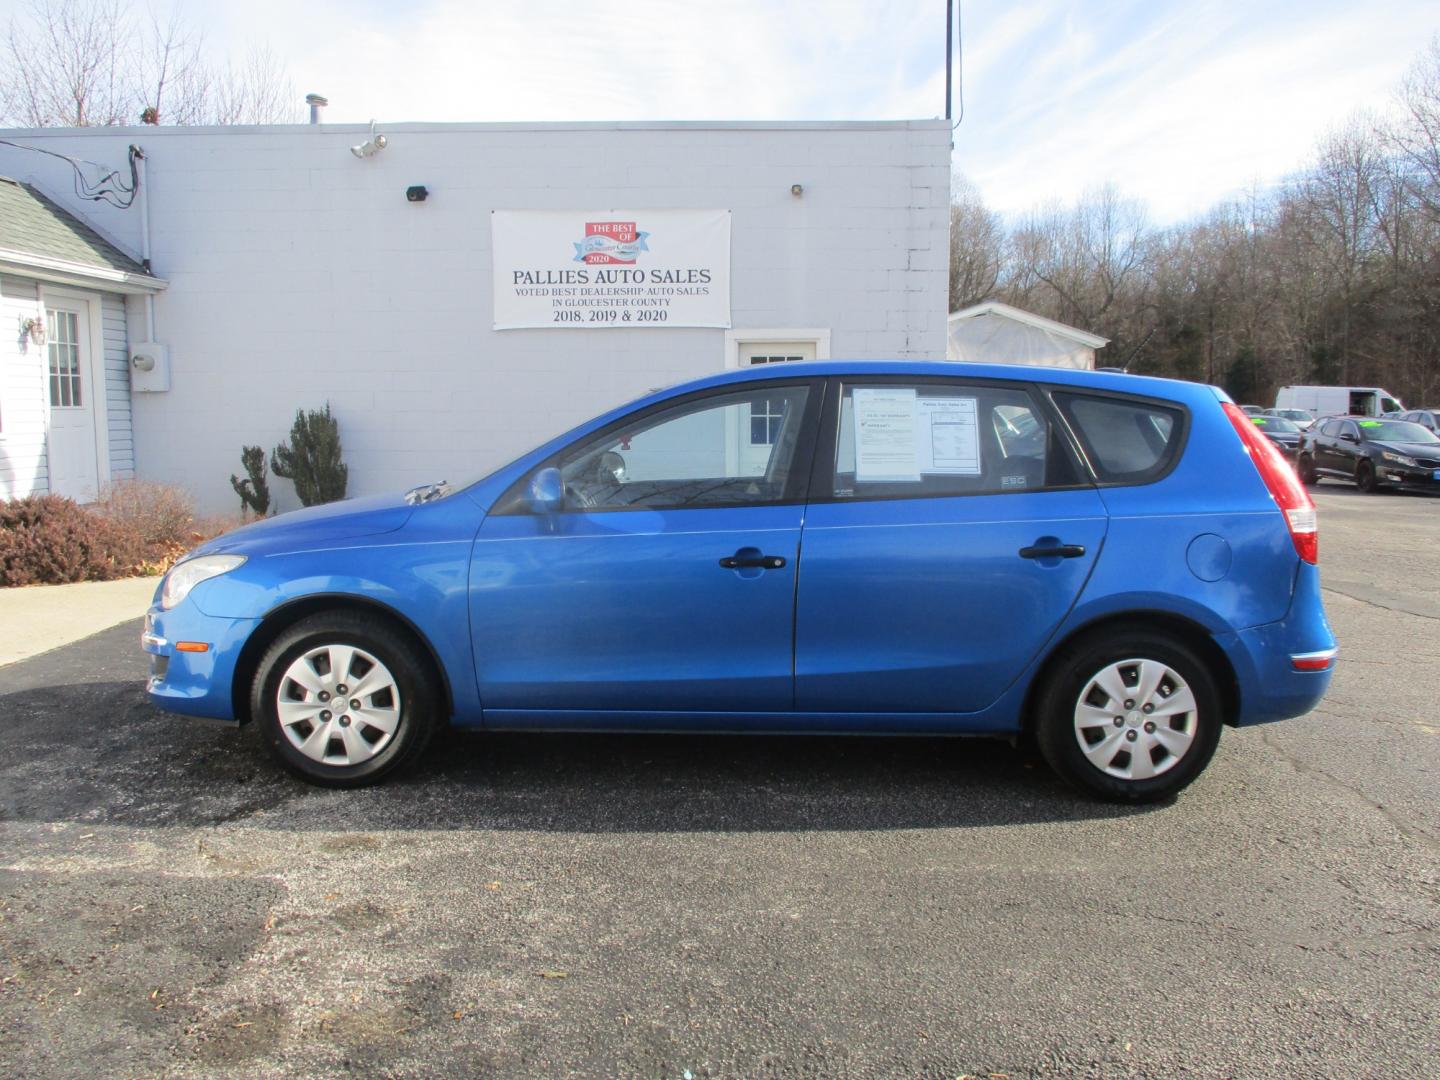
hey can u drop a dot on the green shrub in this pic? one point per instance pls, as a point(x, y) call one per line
point(311, 459)
point(254, 490)
point(50, 540)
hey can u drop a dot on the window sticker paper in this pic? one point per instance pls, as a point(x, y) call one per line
point(948, 436)
point(886, 444)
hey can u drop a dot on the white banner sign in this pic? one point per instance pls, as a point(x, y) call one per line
point(583, 269)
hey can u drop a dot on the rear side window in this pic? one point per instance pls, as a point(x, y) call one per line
point(1128, 441)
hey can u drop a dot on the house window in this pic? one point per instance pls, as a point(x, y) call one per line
point(63, 346)
point(767, 413)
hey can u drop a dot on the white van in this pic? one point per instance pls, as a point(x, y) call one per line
point(1338, 400)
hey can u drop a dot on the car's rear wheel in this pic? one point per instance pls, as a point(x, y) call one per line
point(343, 699)
point(1130, 716)
point(1365, 478)
point(1306, 468)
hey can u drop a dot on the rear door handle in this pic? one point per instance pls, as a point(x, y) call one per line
point(764, 562)
point(1059, 551)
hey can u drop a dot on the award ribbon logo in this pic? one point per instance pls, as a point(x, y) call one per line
point(608, 242)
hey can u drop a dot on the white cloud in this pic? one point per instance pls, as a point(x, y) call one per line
point(1191, 107)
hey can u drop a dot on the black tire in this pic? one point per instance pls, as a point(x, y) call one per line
point(1070, 676)
point(414, 713)
point(1306, 468)
point(1365, 478)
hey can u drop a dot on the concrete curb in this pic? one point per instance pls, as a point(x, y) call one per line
point(35, 619)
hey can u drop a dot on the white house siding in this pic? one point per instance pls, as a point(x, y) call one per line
point(299, 274)
point(117, 386)
point(22, 394)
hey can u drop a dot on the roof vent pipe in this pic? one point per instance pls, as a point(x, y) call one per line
point(316, 103)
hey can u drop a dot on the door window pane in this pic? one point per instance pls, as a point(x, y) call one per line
point(721, 450)
point(941, 439)
point(63, 348)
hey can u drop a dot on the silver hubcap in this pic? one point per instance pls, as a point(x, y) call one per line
point(338, 705)
point(1135, 719)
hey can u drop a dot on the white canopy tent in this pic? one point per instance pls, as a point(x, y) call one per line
point(996, 333)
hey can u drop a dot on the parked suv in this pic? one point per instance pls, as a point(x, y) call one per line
point(1372, 453)
point(1113, 566)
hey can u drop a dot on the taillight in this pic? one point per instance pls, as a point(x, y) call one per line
point(1284, 486)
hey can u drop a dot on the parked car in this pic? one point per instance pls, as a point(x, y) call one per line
point(1426, 418)
point(1299, 417)
point(1281, 432)
point(1112, 565)
point(1252, 410)
point(1372, 453)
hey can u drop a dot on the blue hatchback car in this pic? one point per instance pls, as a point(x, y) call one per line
point(1109, 565)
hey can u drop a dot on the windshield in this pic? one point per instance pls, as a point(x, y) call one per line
point(1396, 431)
point(1274, 423)
point(1294, 414)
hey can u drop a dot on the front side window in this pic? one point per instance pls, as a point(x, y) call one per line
point(926, 440)
point(730, 449)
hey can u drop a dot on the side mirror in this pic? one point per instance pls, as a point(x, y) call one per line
point(547, 491)
point(1346, 436)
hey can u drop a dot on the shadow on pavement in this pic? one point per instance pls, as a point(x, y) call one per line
point(97, 752)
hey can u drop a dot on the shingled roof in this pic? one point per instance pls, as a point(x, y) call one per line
point(35, 227)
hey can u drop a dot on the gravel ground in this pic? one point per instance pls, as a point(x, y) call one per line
point(742, 907)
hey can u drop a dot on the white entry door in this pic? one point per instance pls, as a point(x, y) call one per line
point(73, 457)
point(762, 424)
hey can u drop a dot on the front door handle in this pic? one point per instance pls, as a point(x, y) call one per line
point(1058, 551)
point(743, 559)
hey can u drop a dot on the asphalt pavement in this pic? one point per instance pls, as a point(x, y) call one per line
point(670, 907)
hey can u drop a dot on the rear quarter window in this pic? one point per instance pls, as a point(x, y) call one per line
point(1128, 440)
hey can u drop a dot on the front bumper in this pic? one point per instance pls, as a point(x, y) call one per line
point(194, 683)
point(1423, 478)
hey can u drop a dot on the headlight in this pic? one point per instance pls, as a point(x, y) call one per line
point(1398, 459)
point(186, 575)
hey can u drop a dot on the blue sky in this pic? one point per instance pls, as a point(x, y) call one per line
point(1179, 103)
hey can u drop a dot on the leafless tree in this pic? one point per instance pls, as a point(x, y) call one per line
point(1417, 136)
point(1076, 262)
point(80, 63)
point(977, 240)
point(255, 91)
point(66, 64)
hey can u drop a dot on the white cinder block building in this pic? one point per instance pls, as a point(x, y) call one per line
point(544, 273)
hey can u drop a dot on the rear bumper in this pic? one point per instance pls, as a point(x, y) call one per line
point(193, 683)
point(1277, 665)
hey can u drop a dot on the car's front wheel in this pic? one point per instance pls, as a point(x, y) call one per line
point(1131, 716)
point(1306, 468)
point(1365, 478)
point(343, 699)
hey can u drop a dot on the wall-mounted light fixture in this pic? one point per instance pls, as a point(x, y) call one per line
point(797, 190)
point(33, 330)
point(417, 193)
point(371, 146)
